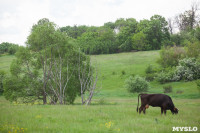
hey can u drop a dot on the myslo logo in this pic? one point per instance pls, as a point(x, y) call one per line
point(185, 129)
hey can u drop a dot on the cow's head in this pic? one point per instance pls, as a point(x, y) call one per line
point(175, 110)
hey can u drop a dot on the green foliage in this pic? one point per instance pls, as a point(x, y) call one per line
point(136, 84)
point(75, 31)
point(197, 33)
point(155, 30)
point(149, 69)
point(123, 72)
point(140, 41)
point(166, 76)
point(193, 49)
point(2, 77)
point(100, 41)
point(150, 77)
point(13, 88)
point(167, 89)
point(169, 56)
point(188, 69)
point(47, 65)
point(10, 48)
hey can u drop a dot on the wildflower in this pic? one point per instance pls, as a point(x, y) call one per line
point(109, 124)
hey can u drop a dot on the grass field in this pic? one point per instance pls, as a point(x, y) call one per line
point(113, 109)
point(122, 116)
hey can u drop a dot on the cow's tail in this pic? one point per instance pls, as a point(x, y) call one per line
point(138, 101)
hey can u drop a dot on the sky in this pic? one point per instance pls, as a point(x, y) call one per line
point(18, 16)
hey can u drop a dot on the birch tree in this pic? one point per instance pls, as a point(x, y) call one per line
point(88, 77)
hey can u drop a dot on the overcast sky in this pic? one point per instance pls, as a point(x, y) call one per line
point(18, 16)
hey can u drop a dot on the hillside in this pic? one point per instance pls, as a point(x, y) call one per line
point(135, 63)
point(111, 67)
point(113, 109)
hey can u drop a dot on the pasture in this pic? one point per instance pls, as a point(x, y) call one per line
point(113, 109)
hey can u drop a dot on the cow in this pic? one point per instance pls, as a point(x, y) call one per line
point(156, 100)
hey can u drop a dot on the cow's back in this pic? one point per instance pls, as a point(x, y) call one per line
point(155, 100)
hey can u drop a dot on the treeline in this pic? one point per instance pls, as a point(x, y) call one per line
point(129, 34)
point(10, 48)
point(121, 35)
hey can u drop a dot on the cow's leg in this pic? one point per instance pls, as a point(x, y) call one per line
point(140, 109)
point(144, 110)
point(161, 110)
point(165, 111)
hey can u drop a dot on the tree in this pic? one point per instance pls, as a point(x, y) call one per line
point(41, 41)
point(170, 25)
point(140, 42)
point(45, 68)
point(156, 31)
point(126, 30)
point(88, 80)
point(7, 47)
point(189, 19)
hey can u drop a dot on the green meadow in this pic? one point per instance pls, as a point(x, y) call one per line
point(113, 109)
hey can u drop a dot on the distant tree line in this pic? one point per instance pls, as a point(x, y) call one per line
point(130, 34)
point(122, 35)
point(10, 48)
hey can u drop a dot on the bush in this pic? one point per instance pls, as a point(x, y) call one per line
point(149, 69)
point(188, 69)
point(136, 84)
point(193, 49)
point(169, 56)
point(167, 89)
point(123, 72)
point(150, 77)
point(165, 77)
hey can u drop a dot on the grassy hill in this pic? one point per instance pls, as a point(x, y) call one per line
point(5, 61)
point(135, 63)
point(112, 80)
point(113, 109)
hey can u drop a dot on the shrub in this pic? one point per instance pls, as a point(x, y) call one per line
point(149, 69)
point(136, 84)
point(167, 89)
point(169, 56)
point(193, 49)
point(188, 69)
point(165, 77)
point(123, 72)
point(150, 77)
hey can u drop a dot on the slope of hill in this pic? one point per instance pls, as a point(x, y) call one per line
point(114, 69)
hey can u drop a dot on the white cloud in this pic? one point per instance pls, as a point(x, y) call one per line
point(17, 17)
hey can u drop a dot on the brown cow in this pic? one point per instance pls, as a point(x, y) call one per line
point(156, 100)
